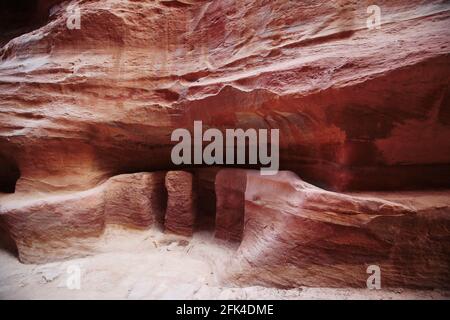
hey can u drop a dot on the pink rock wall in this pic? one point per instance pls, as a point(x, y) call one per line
point(181, 204)
point(295, 234)
point(356, 108)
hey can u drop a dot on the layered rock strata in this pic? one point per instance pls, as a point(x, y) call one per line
point(181, 204)
point(64, 226)
point(230, 204)
point(296, 234)
point(290, 233)
point(356, 108)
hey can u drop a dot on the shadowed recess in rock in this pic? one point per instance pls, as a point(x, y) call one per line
point(9, 174)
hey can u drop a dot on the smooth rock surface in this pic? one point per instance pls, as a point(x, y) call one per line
point(297, 234)
point(356, 108)
point(57, 227)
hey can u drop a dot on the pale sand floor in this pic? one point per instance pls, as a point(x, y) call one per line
point(152, 265)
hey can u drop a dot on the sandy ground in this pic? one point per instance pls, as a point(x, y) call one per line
point(153, 265)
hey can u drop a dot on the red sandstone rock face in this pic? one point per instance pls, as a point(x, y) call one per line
point(290, 233)
point(230, 191)
point(205, 179)
point(54, 228)
point(136, 200)
point(181, 207)
point(65, 225)
point(356, 108)
point(295, 234)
